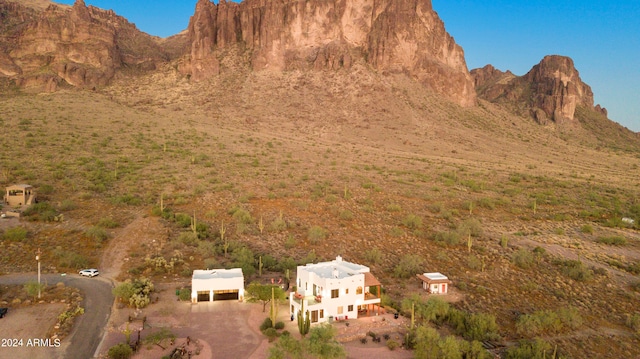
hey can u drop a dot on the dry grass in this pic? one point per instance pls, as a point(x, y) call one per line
point(310, 148)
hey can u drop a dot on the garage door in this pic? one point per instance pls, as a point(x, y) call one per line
point(231, 294)
point(203, 296)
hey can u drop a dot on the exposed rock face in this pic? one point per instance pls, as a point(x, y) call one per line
point(79, 45)
point(551, 91)
point(390, 35)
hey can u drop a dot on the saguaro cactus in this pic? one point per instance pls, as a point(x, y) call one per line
point(304, 322)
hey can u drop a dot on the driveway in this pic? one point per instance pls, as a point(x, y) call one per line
point(89, 327)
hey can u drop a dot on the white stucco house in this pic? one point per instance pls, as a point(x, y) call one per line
point(435, 283)
point(217, 284)
point(336, 289)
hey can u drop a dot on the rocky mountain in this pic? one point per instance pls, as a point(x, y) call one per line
point(551, 91)
point(391, 36)
point(79, 45)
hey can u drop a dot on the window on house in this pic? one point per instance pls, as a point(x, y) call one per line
point(346, 291)
point(359, 290)
point(321, 313)
point(340, 310)
point(315, 290)
point(350, 308)
point(335, 293)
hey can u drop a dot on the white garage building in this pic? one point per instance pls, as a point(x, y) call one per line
point(217, 284)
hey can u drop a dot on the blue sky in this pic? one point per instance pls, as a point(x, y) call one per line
point(601, 36)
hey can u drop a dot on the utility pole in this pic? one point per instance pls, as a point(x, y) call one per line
point(38, 260)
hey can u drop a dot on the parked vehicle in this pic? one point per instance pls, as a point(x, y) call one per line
point(3, 311)
point(89, 272)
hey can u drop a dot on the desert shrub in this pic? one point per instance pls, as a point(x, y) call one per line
point(373, 255)
point(120, 351)
point(184, 294)
point(480, 326)
point(392, 344)
point(127, 199)
point(242, 216)
point(570, 317)
point(266, 324)
point(523, 258)
point(529, 349)
point(67, 205)
point(633, 322)
point(97, 233)
point(539, 322)
point(107, 222)
point(42, 211)
point(16, 234)
point(316, 234)
point(635, 286)
point(470, 226)
point(183, 220)
point(409, 265)
point(473, 262)
point(271, 333)
point(346, 215)
point(33, 288)
point(449, 238)
point(188, 238)
point(135, 293)
point(159, 336)
point(279, 325)
point(504, 241)
point(487, 203)
point(69, 259)
point(612, 240)
point(587, 228)
point(575, 270)
point(394, 207)
point(243, 257)
point(278, 225)
point(412, 221)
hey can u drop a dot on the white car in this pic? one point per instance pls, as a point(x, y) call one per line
point(89, 272)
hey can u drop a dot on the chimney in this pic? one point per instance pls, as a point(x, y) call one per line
point(339, 259)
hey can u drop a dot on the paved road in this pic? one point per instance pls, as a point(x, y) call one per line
point(97, 303)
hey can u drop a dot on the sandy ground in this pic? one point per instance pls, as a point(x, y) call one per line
point(23, 327)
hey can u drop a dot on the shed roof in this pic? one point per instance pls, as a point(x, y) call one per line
point(435, 277)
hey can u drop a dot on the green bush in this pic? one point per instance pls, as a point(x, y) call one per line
point(120, 351)
point(575, 270)
point(271, 333)
point(392, 344)
point(633, 322)
point(316, 234)
point(97, 233)
point(409, 265)
point(412, 221)
point(42, 211)
point(279, 325)
point(612, 240)
point(184, 294)
point(107, 222)
point(530, 349)
point(449, 238)
point(266, 324)
point(587, 228)
point(16, 234)
point(523, 258)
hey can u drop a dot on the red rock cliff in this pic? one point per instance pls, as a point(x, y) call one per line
point(404, 36)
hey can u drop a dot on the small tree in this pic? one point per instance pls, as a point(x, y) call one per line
point(120, 351)
point(33, 288)
point(258, 293)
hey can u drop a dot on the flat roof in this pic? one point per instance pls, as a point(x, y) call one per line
point(218, 273)
point(336, 268)
point(436, 276)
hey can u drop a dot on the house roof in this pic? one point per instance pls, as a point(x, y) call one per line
point(433, 278)
point(370, 280)
point(20, 186)
point(336, 268)
point(218, 274)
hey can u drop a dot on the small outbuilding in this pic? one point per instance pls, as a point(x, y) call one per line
point(217, 284)
point(435, 283)
point(19, 195)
